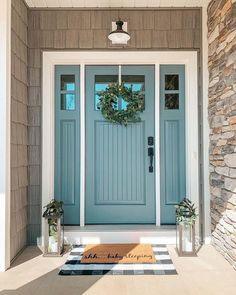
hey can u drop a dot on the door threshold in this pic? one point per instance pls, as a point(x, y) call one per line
point(121, 233)
point(119, 227)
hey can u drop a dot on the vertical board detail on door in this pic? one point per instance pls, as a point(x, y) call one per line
point(172, 140)
point(67, 132)
point(67, 141)
point(114, 142)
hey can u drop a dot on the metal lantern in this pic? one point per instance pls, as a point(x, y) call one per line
point(54, 229)
point(185, 233)
point(185, 239)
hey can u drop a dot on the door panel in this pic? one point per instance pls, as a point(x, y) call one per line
point(119, 186)
point(67, 141)
point(68, 150)
point(172, 140)
point(114, 143)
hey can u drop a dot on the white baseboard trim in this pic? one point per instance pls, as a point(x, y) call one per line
point(120, 234)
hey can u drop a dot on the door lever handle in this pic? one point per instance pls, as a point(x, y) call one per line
point(151, 156)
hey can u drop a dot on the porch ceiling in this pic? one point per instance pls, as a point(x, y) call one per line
point(115, 3)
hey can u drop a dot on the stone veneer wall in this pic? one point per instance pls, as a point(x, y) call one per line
point(175, 29)
point(19, 122)
point(222, 119)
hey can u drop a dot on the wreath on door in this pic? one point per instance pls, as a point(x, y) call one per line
point(108, 104)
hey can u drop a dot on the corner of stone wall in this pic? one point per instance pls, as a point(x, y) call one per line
point(222, 120)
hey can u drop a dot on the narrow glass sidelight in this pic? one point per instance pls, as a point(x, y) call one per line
point(172, 101)
point(172, 82)
point(68, 95)
point(172, 140)
point(67, 140)
point(68, 102)
point(171, 92)
point(67, 82)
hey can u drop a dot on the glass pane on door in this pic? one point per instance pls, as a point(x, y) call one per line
point(136, 82)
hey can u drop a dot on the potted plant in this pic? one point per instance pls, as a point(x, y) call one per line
point(54, 230)
point(185, 235)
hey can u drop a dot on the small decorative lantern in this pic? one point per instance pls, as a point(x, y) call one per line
point(185, 233)
point(54, 229)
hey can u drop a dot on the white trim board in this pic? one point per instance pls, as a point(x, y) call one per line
point(5, 99)
point(115, 3)
point(98, 234)
point(188, 58)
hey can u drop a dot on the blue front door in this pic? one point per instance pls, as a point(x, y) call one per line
point(119, 186)
point(172, 140)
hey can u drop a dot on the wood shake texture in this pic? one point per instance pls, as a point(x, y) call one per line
point(222, 120)
point(19, 125)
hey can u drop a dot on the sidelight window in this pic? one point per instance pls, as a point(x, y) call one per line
point(68, 92)
point(171, 92)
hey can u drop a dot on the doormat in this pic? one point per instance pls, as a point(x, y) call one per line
point(162, 266)
point(118, 253)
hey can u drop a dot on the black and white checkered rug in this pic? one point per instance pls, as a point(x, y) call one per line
point(163, 266)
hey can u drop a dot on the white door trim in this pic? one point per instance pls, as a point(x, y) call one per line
point(157, 144)
point(188, 58)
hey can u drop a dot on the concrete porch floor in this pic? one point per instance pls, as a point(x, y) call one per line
point(207, 274)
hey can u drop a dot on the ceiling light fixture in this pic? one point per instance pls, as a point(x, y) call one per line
point(119, 36)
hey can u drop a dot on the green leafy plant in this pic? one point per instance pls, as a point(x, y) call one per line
point(186, 212)
point(53, 211)
point(53, 208)
point(108, 102)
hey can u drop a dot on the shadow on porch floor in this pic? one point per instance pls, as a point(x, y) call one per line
point(209, 273)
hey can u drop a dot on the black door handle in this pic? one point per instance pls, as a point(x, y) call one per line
point(150, 140)
point(151, 156)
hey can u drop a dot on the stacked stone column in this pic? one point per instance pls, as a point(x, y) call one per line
point(222, 120)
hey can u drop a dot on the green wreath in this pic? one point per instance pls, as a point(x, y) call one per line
point(108, 101)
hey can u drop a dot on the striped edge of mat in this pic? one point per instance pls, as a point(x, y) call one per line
point(163, 266)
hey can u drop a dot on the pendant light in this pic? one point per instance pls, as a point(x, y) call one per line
point(119, 36)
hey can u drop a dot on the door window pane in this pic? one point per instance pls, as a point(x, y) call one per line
point(136, 82)
point(172, 82)
point(68, 102)
point(101, 83)
point(172, 101)
point(67, 82)
point(68, 93)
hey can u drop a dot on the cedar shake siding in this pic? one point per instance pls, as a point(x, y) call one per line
point(19, 125)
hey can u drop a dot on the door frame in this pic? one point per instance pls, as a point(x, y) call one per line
point(156, 58)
